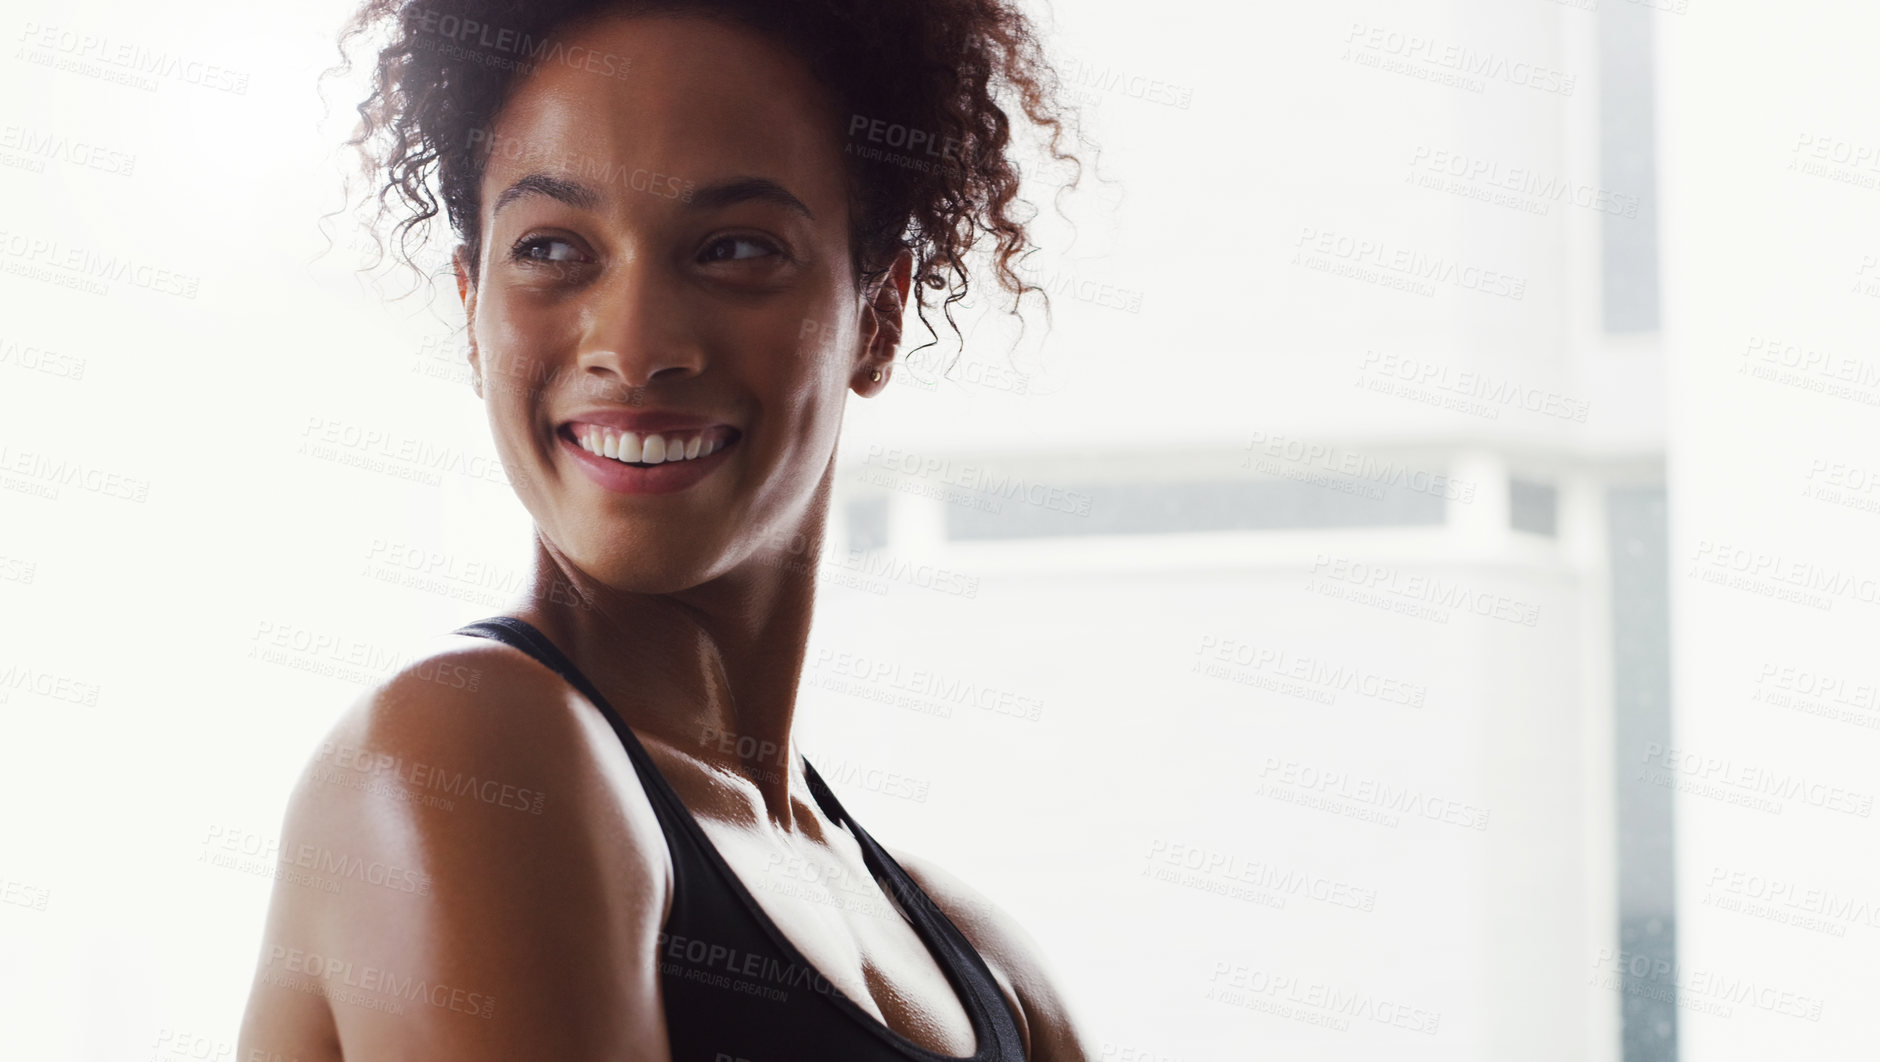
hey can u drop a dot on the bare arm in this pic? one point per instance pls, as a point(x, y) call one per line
point(493, 900)
point(1049, 1025)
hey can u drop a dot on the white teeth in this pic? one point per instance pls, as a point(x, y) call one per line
point(645, 449)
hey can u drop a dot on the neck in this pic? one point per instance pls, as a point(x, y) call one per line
point(710, 672)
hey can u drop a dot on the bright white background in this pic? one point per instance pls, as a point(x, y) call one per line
point(119, 940)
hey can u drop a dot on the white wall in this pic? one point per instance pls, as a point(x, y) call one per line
point(1768, 239)
point(206, 401)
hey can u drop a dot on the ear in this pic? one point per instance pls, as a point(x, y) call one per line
point(882, 311)
point(465, 269)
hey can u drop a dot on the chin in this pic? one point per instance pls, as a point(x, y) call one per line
point(649, 568)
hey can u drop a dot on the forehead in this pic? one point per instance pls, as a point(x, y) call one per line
point(693, 99)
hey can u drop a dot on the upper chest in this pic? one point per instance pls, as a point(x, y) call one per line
point(815, 887)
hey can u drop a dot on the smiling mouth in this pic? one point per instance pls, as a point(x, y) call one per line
point(647, 449)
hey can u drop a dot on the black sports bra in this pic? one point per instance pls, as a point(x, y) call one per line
point(735, 989)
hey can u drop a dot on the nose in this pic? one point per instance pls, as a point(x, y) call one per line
point(637, 328)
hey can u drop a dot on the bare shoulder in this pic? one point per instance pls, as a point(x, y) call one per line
point(1052, 1030)
point(478, 743)
point(467, 869)
point(471, 703)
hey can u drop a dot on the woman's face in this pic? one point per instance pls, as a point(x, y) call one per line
point(665, 252)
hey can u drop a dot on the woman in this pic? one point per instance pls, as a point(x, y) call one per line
point(687, 231)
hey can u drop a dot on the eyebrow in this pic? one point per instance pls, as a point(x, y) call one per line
point(710, 197)
point(573, 193)
point(741, 189)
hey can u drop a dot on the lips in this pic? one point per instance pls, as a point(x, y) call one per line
point(710, 447)
point(652, 447)
point(643, 420)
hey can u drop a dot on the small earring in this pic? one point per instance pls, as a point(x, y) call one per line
point(875, 376)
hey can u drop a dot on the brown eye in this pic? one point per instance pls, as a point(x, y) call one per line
point(547, 249)
point(713, 252)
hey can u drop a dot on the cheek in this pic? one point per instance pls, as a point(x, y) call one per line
point(801, 361)
point(519, 350)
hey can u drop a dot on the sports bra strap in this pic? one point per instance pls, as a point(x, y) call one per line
point(993, 1025)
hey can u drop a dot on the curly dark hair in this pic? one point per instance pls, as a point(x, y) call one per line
point(932, 67)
